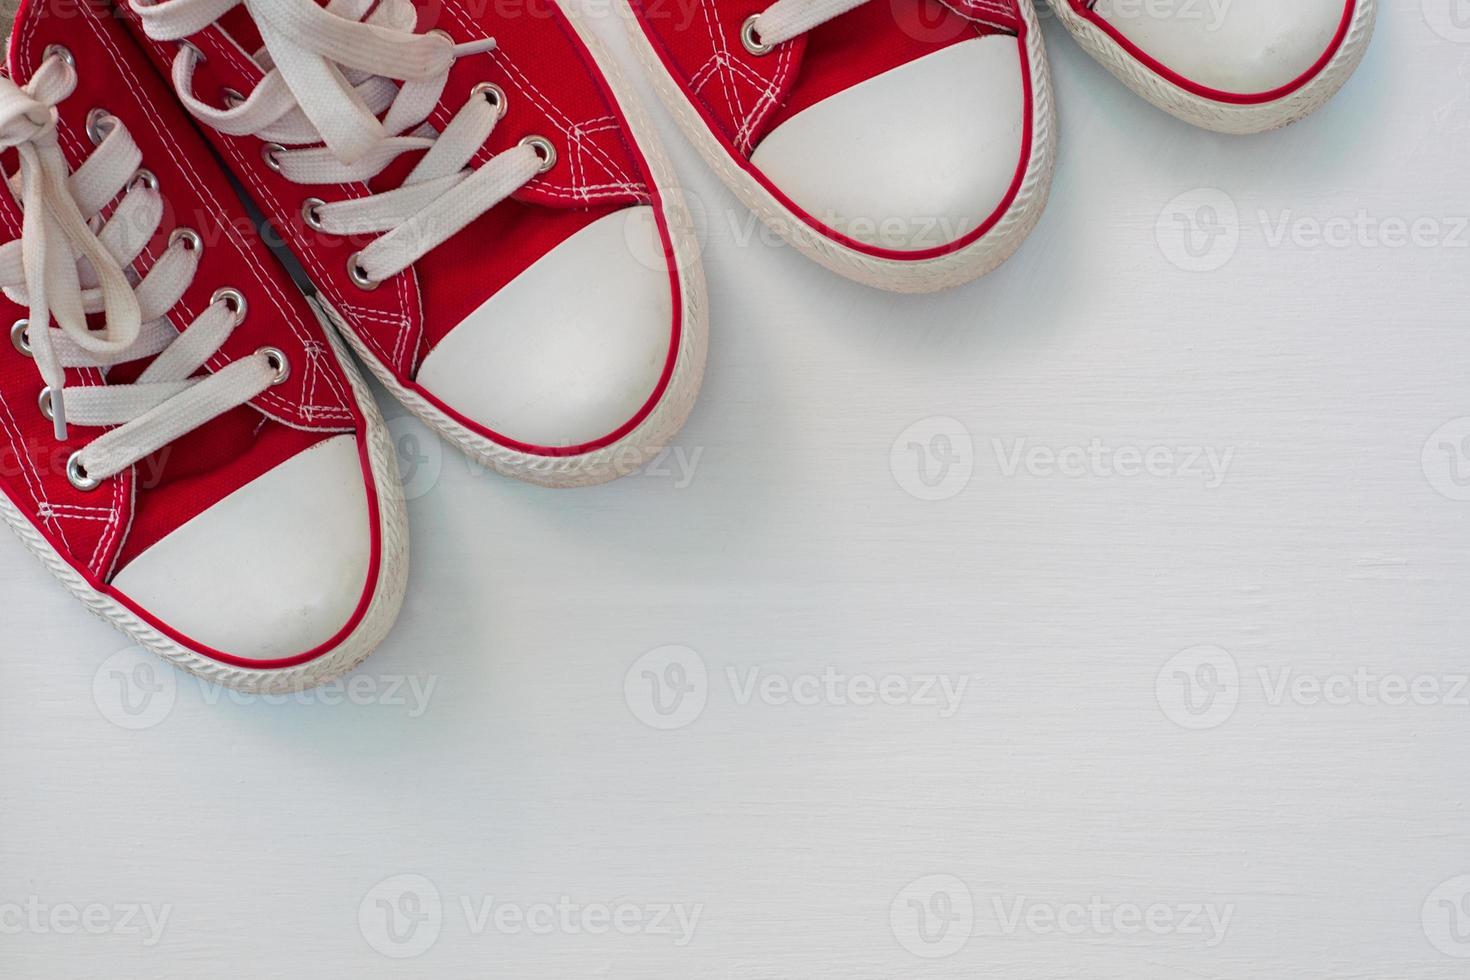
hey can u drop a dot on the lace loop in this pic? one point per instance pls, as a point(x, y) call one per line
point(347, 89)
point(63, 269)
point(54, 234)
point(787, 19)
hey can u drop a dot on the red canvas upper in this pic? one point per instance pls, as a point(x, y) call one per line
point(742, 96)
point(555, 89)
point(99, 531)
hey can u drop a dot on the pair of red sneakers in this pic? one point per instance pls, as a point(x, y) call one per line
point(908, 144)
point(477, 208)
point(485, 216)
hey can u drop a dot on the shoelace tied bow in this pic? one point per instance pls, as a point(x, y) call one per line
point(62, 270)
point(346, 90)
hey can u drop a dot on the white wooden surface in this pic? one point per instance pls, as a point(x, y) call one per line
point(1200, 722)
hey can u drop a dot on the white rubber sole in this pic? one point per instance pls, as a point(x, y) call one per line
point(1225, 117)
point(382, 611)
point(895, 275)
point(640, 446)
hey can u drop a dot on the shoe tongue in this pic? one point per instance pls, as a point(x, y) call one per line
point(238, 25)
point(551, 80)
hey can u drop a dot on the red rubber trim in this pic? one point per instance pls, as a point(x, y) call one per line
point(1204, 91)
point(368, 592)
point(369, 588)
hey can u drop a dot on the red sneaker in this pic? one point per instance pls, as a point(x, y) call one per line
point(1235, 66)
point(906, 144)
point(497, 236)
point(185, 447)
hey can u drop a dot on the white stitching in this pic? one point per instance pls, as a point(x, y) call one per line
point(202, 191)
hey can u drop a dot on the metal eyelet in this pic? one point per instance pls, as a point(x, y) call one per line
point(310, 215)
point(190, 238)
point(233, 299)
point(752, 40)
point(231, 97)
point(43, 402)
point(199, 56)
point(99, 124)
point(493, 94)
point(59, 51)
point(276, 358)
point(358, 275)
point(268, 153)
point(543, 149)
point(442, 33)
point(143, 177)
point(76, 473)
point(19, 338)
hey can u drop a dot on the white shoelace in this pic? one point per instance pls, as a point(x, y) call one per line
point(786, 19)
point(330, 74)
point(63, 268)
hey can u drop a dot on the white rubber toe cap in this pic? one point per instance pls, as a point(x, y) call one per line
point(1243, 47)
point(275, 569)
point(573, 347)
point(915, 158)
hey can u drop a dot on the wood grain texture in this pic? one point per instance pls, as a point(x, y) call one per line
point(1075, 787)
